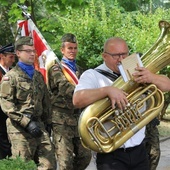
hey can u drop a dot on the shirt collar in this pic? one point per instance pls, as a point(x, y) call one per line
point(104, 67)
point(6, 70)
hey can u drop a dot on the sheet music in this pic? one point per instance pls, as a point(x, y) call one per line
point(128, 65)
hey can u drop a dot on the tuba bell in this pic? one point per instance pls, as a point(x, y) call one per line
point(103, 129)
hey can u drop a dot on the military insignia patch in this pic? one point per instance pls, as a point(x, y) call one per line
point(5, 78)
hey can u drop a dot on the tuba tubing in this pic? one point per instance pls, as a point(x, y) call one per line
point(103, 129)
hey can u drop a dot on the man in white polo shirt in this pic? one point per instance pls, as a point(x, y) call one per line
point(93, 86)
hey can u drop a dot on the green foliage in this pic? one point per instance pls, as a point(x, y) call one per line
point(17, 164)
point(93, 25)
point(92, 21)
point(5, 31)
point(63, 4)
point(129, 5)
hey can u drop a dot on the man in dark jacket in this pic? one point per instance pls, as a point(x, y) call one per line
point(7, 58)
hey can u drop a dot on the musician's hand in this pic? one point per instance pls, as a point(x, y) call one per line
point(143, 75)
point(117, 97)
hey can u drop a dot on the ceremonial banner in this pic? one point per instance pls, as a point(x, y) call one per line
point(45, 56)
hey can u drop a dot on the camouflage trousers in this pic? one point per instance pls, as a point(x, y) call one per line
point(153, 145)
point(70, 153)
point(38, 149)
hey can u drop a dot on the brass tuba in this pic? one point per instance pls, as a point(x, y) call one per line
point(103, 129)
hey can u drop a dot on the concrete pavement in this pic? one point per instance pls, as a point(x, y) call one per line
point(164, 163)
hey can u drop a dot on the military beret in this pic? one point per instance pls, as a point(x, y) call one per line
point(24, 40)
point(7, 49)
point(69, 38)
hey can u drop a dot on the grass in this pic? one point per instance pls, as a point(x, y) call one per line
point(17, 164)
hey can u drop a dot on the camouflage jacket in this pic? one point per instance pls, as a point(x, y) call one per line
point(21, 96)
point(62, 90)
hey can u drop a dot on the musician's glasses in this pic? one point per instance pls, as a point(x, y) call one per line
point(116, 56)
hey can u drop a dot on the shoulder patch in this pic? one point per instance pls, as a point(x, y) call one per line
point(5, 78)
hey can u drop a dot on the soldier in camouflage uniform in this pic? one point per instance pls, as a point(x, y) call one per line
point(25, 99)
point(70, 153)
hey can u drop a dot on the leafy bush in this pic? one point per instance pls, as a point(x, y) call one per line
point(17, 164)
point(94, 24)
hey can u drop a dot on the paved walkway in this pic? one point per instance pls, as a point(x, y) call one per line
point(164, 163)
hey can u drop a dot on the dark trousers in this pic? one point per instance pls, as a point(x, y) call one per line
point(130, 159)
point(5, 146)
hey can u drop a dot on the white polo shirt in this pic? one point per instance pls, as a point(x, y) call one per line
point(92, 79)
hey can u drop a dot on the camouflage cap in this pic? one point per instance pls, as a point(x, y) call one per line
point(25, 40)
point(7, 49)
point(69, 38)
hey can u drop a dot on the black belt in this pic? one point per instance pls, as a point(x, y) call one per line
point(129, 149)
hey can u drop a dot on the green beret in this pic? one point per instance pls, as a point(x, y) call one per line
point(69, 38)
point(7, 49)
point(25, 40)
